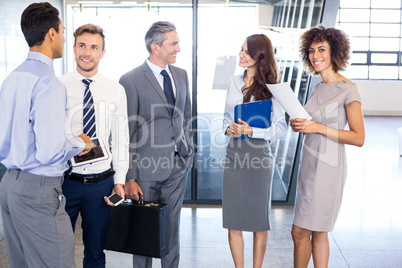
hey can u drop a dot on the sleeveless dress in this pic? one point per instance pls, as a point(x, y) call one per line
point(323, 167)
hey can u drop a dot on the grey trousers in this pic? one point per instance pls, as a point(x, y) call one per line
point(171, 192)
point(37, 229)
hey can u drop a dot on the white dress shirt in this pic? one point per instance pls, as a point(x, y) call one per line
point(110, 104)
point(157, 72)
point(278, 128)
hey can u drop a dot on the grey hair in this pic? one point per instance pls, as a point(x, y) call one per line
point(156, 33)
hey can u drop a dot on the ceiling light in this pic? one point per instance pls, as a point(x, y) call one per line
point(95, 2)
point(127, 3)
point(161, 4)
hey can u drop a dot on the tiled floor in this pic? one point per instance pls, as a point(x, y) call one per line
point(368, 232)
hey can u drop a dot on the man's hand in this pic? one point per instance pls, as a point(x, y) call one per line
point(88, 144)
point(119, 189)
point(132, 190)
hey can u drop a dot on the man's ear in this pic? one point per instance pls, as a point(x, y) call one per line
point(103, 53)
point(52, 34)
point(155, 48)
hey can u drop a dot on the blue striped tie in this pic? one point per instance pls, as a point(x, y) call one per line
point(88, 111)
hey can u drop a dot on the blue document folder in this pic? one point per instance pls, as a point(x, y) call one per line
point(256, 114)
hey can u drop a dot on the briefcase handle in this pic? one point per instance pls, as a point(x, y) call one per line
point(139, 202)
point(141, 199)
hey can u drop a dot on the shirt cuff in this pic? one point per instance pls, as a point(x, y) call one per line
point(258, 133)
point(119, 179)
point(77, 142)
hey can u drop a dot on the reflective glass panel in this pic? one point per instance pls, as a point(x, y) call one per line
point(220, 37)
point(129, 49)
point(125, 27)
point(383, 72)
point(384, 44)
point(386, 30)
point(382, 32)
point(218, 62)
point(354, 15)
point(384, 58)
point(357, 72)
point(359, 43)
point(355, 3)
point(385, 4)
point(355, 29)
point(358, 58)
point(380, 15)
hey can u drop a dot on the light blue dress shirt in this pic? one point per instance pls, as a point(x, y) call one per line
point(278, 128)
point(33, 106)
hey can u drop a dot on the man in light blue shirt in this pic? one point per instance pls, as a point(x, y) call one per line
point(34, 148)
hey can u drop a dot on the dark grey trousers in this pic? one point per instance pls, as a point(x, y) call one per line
point(171, 192)
point(36, 226)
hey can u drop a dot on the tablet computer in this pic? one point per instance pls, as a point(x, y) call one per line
point(97, 153)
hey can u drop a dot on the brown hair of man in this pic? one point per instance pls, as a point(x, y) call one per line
point(92, 29)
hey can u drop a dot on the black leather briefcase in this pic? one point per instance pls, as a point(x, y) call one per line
point(140, 228)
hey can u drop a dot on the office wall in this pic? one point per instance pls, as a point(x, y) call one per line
point(381, 97)
point(13, 48)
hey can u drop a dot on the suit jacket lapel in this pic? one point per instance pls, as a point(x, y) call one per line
point(152, 80)
point(176, 82)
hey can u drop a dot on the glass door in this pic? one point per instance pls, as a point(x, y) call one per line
point(125, 26)
point(222, 31)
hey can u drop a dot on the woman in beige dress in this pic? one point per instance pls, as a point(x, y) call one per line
point(334, 103)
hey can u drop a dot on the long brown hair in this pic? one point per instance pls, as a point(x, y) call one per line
point(260, 49)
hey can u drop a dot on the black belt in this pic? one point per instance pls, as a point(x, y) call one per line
point(90, 179)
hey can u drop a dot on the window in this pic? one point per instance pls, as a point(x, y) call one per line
point(374, 28)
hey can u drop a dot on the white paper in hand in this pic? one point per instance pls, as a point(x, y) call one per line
point(284, 94)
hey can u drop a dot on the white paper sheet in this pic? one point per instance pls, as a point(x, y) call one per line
point(284, 94)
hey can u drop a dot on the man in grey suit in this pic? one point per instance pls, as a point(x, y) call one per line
point(161, 150)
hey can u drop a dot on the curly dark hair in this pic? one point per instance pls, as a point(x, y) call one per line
point(337, 40)
point(260, 49)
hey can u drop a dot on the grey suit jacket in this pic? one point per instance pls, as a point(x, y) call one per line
point(153, 131)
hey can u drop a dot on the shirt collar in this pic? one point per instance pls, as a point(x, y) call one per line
point(37, 56)
point(80, 76)
point(156, 69)
point(239, 81)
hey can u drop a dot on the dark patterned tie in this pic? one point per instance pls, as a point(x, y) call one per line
point(88, 111)
point(168, 89)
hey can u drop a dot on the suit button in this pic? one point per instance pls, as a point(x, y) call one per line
point(172, 138)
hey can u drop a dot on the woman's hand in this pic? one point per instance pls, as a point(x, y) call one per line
point(236, 130)
point(304, 126)
point(354, 136)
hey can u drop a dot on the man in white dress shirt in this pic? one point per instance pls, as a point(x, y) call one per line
point(87, 185)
